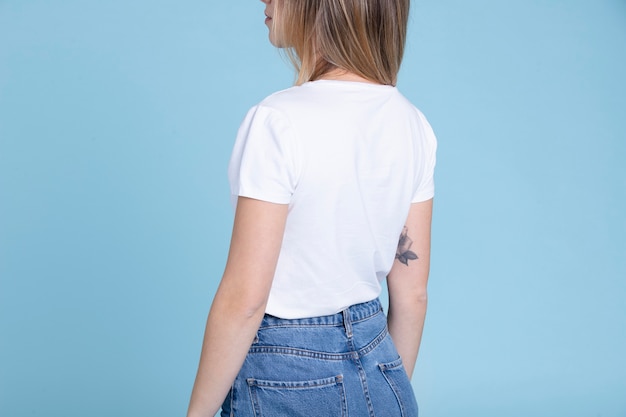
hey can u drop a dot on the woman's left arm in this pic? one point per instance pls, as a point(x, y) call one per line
point(239, 303)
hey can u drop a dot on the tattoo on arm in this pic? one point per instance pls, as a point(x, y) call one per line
point(404, 252)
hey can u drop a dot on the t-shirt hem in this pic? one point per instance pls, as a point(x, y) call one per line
point(424, 196)
point(264, 196)
point(296, 310)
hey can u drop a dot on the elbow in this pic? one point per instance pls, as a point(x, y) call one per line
point(246, 307)
point(410, 300)
point(239, 303)
point(421, 296)
point(254, 310)
point(418, 301)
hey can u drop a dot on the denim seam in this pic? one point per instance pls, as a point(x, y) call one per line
point(301, 352)
point(362, 377)
point(313, 325)
point(337, 323)
point(392, 384)
point(322, 355)
point(296, 385)
point(336, 381)
point(372, 345)
point(254, 400)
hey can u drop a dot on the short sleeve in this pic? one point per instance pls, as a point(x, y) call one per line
point(426, 149)
point(262, 165)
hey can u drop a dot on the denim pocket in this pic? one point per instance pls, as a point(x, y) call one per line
point(399, 382)
point(320, 397)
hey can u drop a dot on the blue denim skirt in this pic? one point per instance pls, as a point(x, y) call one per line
point(330, 366)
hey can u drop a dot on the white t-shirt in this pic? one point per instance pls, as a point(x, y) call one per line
point(348, 158)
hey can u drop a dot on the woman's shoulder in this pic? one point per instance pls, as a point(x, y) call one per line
point(325, 93)
point(285, 97)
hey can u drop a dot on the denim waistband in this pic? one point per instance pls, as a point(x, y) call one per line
point(354, 313)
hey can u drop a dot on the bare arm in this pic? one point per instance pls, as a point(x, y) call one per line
point(407, 284)
point(239, 304)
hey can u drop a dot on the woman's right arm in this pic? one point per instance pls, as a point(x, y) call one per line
point(407, 282)
point(239, 304)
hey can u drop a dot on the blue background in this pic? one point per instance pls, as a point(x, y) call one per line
point(116, 124)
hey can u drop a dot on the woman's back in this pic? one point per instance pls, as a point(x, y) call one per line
point(348, 158)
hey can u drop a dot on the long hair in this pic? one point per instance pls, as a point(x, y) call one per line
point(365, 37)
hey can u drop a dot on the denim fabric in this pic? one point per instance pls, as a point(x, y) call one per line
point(331, 366)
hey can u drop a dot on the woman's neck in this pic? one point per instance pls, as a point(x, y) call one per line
point(339, 74)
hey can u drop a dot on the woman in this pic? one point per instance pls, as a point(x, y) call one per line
point(326, 176)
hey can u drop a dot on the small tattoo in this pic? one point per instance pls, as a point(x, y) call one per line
point(404, 252)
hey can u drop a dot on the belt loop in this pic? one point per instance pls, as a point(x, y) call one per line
point(347, 324)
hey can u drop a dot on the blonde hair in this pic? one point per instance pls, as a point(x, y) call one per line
point(365, 37)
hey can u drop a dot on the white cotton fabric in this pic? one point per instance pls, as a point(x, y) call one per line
point(348, 158)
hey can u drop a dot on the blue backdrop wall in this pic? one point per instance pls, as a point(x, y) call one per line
point(116, 123)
